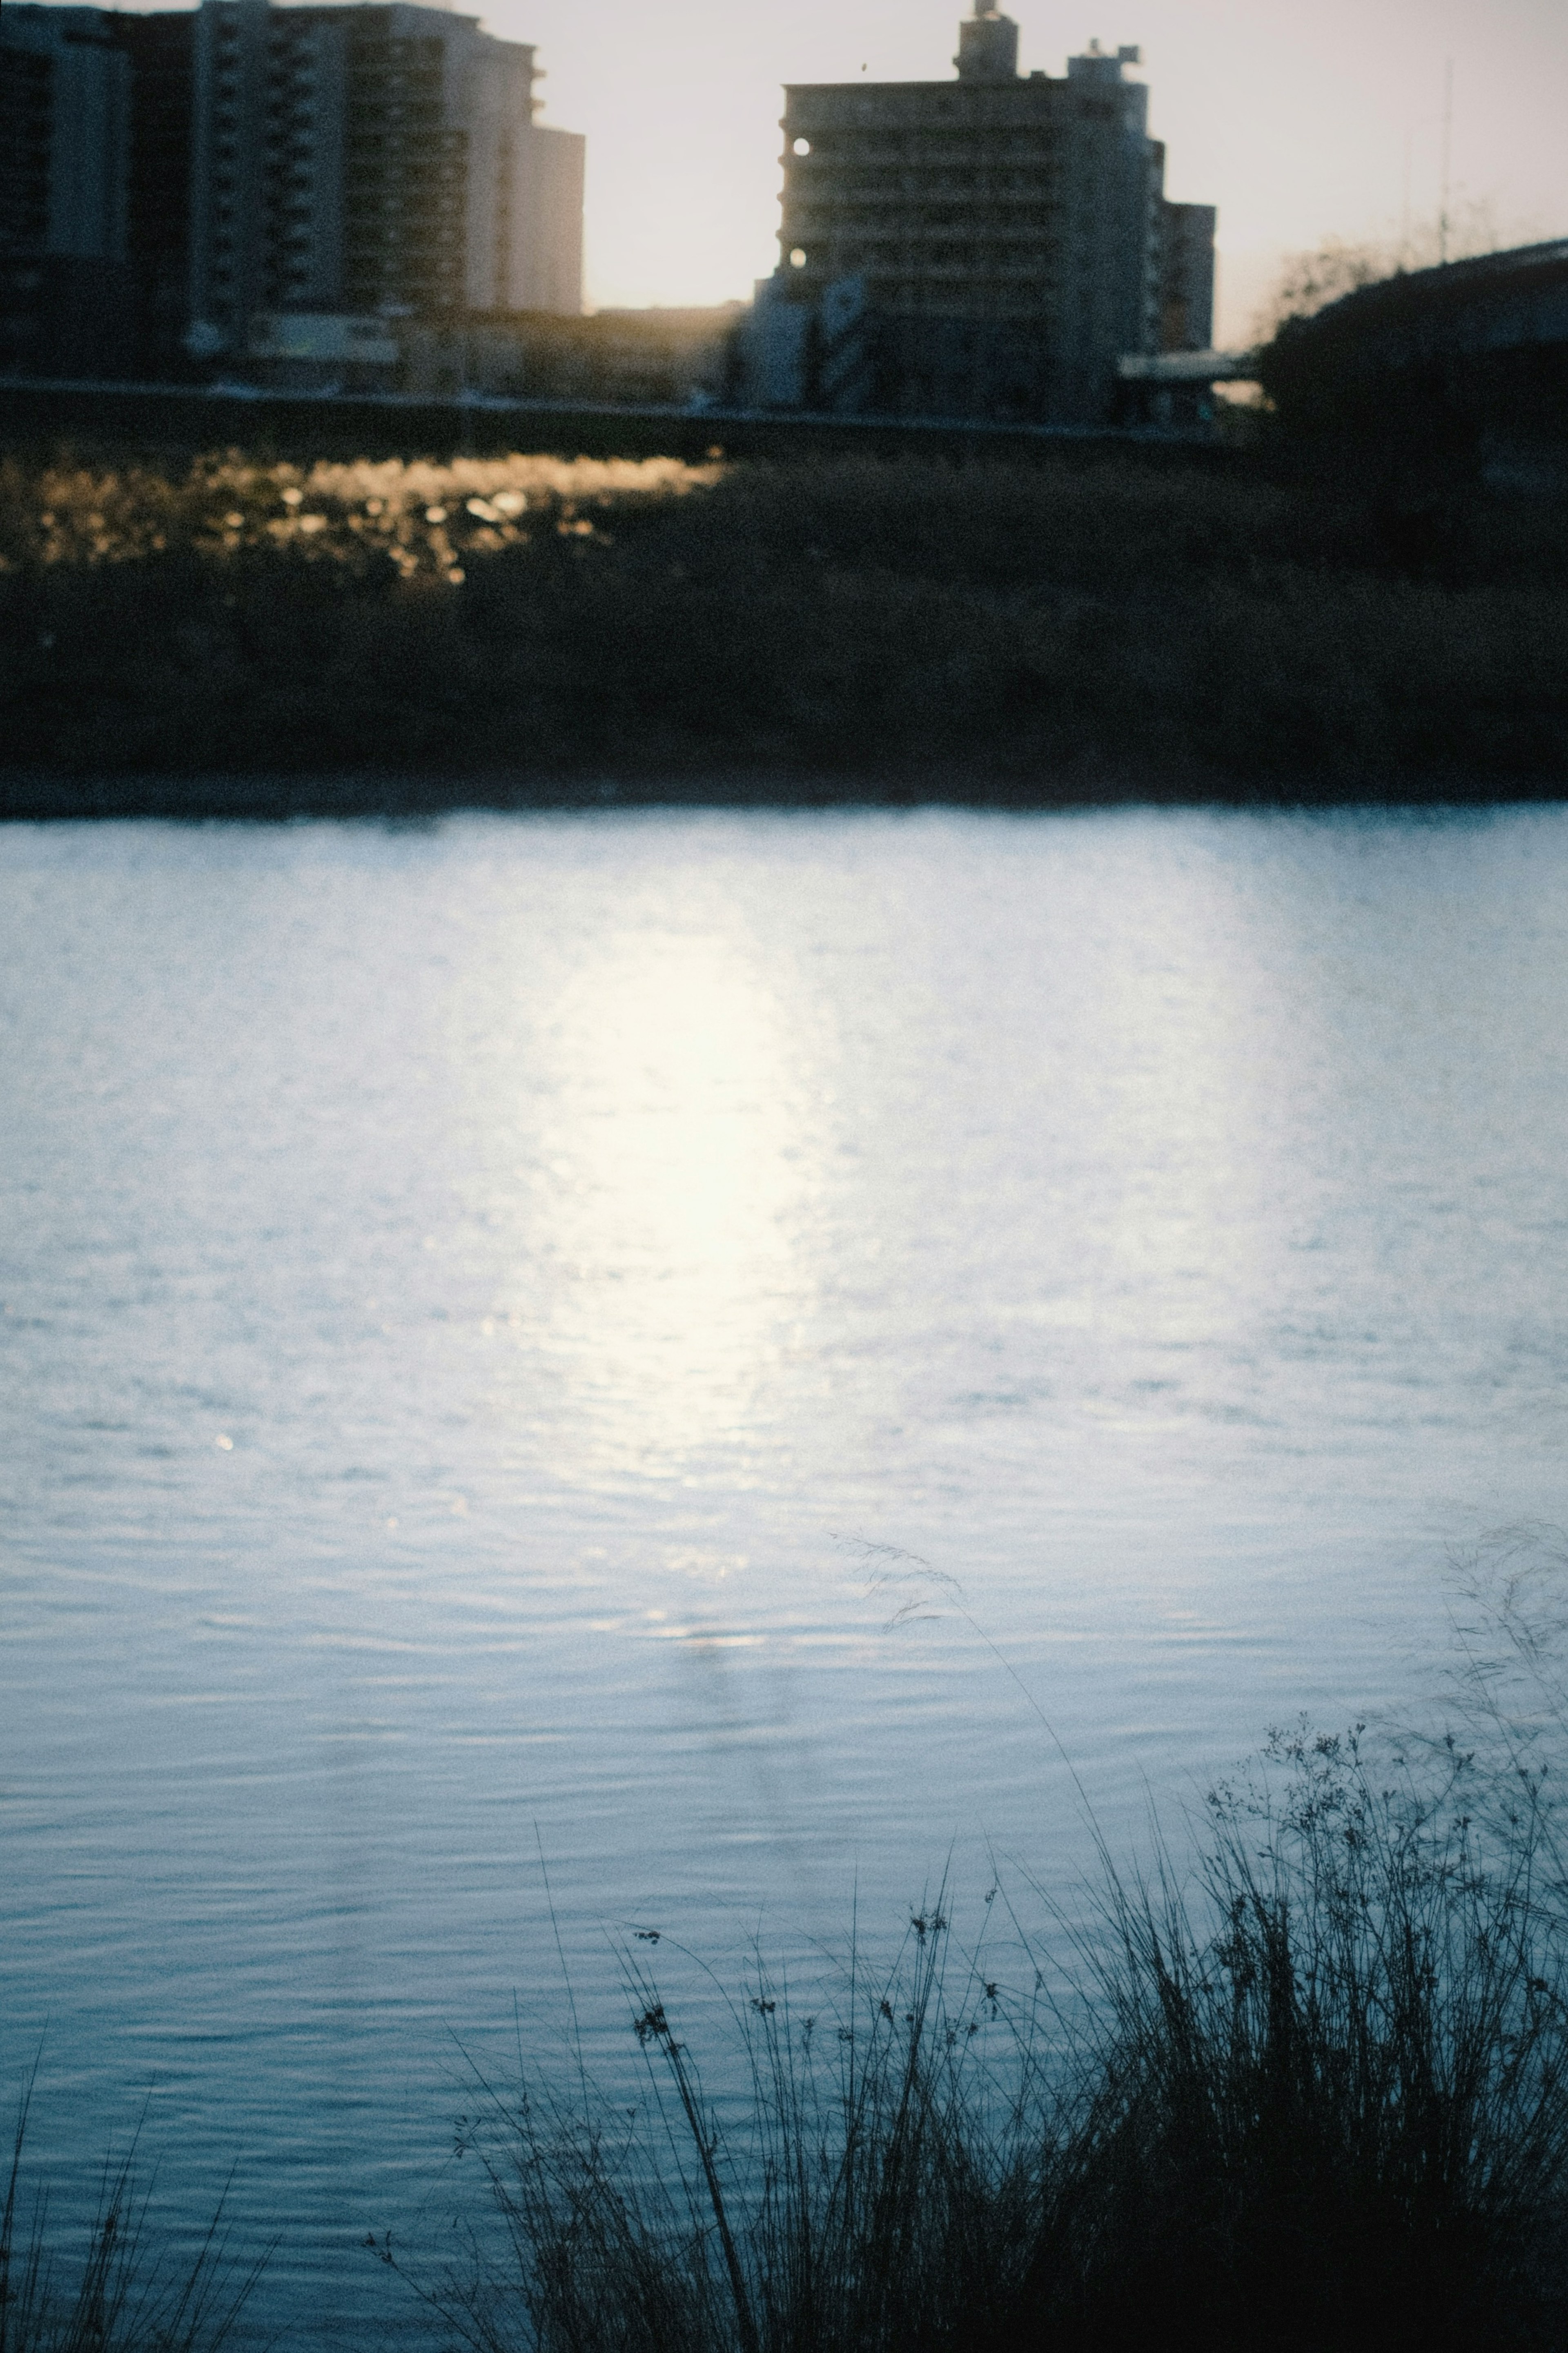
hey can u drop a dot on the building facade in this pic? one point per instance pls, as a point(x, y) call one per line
point(161, 49)
point(990, 246)
point(65, 136)
point(372, 161)
point(1186, 279)
point(202, 189)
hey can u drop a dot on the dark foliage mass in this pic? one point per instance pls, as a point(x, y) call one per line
point(257, 637)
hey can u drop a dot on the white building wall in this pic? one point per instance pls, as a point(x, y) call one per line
point(546, 243)
point(480, 97)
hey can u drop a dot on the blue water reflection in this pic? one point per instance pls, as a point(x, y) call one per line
point(475, 1300)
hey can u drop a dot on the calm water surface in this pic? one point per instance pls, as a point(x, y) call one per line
point(478, 1301)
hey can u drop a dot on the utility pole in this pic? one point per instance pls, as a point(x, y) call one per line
point(1404, 207)
point(1447, 154)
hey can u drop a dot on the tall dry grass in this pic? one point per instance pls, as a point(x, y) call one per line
point(1331, 2103)
point(408, 521)
point(1314, 2096)
point(111, 2290)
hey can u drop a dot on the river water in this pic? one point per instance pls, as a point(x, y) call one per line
point(743, 1361)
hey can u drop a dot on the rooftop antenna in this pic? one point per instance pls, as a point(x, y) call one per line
point(1448, 150)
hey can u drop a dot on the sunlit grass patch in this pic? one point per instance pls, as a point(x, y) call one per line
point(427, 518)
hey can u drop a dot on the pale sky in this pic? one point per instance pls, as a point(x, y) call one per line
point(1300, 119)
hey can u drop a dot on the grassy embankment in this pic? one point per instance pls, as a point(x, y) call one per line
point(256, 635)
point(1312, 2099)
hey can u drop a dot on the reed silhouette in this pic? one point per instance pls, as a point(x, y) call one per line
point(1304, 2087)
point(1312, 2093)
point(110, 2289)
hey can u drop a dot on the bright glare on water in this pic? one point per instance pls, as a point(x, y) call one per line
point(500, 1320)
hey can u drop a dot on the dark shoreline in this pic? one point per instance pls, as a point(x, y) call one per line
point(401, 801)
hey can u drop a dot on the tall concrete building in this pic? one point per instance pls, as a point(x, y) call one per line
point(67, 130)
point(242, 183)
point(990, 246)
point(370, 161)
point(160, 47)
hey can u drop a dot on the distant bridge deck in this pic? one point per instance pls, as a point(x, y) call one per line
point(185, 418)
point(1187, 367)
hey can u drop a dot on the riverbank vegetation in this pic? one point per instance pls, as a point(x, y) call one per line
point(1310, 2090)
point(1318, 2097)
point(244, 636)
point(108, 2287)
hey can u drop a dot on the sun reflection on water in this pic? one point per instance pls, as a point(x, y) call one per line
point(679, 1164)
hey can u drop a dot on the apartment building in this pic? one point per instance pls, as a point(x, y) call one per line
point(377, 160)
point(990, 246)
point(242, 186)
point(159, 49)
